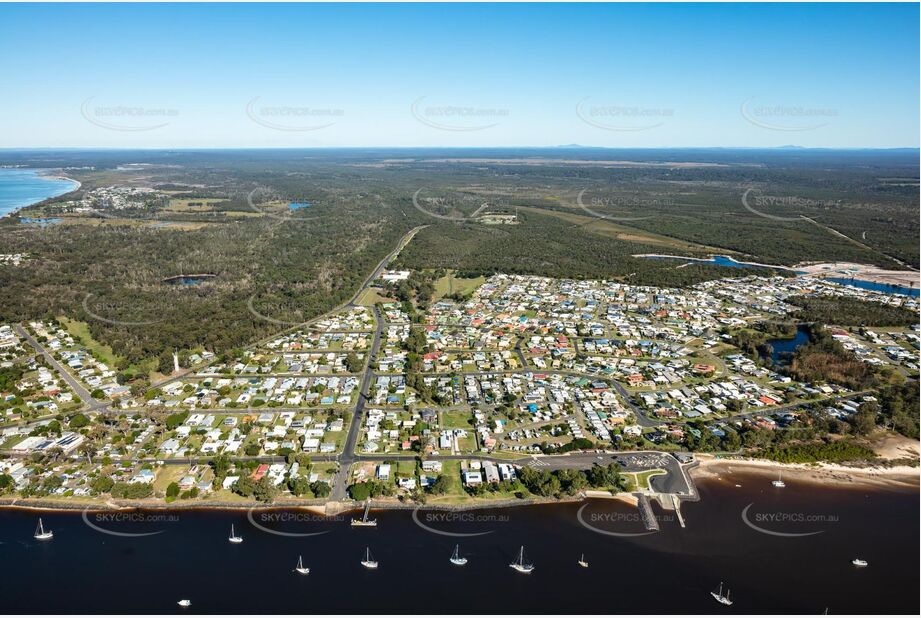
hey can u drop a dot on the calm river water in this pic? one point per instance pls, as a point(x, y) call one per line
point(83, 570)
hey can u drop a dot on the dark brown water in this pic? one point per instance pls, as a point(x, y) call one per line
point(83, 570)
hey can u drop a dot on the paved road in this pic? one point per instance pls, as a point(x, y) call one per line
point(349, 303)
point(78, 388)
point(383, 264)
point(520, 353)
point(348, 457)
point(674, 481)
point(348, 452)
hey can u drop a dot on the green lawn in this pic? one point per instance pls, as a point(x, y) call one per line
point(641, 479)
point(405, 469)
point(450, 284)
point(81, 332)
point(455, 419)
point(12, 441)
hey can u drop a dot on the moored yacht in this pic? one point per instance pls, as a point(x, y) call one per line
point(300, 568)
point(456, 558)
point(369, 562)
point(520, 564)
point(41, 534)
point(720, 597)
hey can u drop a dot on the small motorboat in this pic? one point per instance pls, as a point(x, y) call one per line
point(184, 603)
point(859, 562)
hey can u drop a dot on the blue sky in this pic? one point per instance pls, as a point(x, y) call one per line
point(666, 75)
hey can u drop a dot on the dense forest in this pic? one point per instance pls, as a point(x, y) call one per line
point(850, 312)
point(547, 246)
point(109, 268)
point(113, 276)
point(825, 359)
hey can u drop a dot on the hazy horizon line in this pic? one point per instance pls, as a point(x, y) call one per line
point(511, 147)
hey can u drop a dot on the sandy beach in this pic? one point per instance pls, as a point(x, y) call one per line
point(46, 174)
point(898, 477)
point(57, 175)
point(862, 272)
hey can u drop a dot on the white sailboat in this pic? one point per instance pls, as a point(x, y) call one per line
point(40, 533)
point(456, 557)
point(779, 482)
point(520, 565)
point(859, 562)
point(582, 562)
point(300, 568)
point(184, 603)
point(233, 537)
point(720, 597)
point(369, 562)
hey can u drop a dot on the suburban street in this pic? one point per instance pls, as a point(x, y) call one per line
point(675, 481)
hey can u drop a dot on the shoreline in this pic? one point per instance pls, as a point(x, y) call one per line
point(906, 278)
point(866, 273)
point(711, 259)
point(45, 174)
point(326, 509)
point(904, 478)
point(707, 468)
